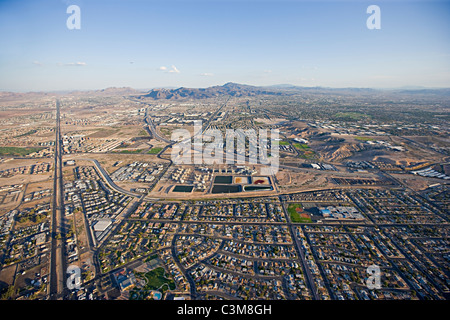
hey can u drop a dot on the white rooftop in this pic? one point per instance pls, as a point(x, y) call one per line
point(102, 224)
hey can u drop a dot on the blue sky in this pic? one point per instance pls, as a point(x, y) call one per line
point(145, 44)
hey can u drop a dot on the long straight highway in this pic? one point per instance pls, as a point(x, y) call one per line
point(57, 255)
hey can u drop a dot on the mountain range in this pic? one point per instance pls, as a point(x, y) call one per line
point(228, 89)
point(243, 90)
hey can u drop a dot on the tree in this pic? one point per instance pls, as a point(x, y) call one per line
point(8, 294)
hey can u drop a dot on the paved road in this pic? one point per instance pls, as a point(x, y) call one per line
point(309, 277)
point(154, 132)
point(58, 251)
point(108, 179)
point(192, 287)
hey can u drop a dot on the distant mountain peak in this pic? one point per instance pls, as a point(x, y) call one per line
point(229, 88)
point(234, 84)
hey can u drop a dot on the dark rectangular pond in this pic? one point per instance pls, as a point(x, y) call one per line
point(257, 188)
point(223, 179)
point(183, 189)
point(217, 188)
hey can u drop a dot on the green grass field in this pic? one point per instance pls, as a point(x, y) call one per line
point(364, 138)
point(129, 151)
point(301, 146)
point(305, 150)
point(156, 279)
point(18, 151)
point(155, 150)
point(283, 143)
point(297, 216)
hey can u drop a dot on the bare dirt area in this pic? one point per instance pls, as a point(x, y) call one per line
point(9, 202)
point(416, 183)
point(24, 178)
point(26, 184)
point(15, 163)
point(104, 133)
point(39, 185)
point(16, 112)
point(86, 263)
point(290, 180)
point(7, 276)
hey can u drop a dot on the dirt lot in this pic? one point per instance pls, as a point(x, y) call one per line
point(416, 183)
point(14, 163)
point(7, 276)
point(40, 185)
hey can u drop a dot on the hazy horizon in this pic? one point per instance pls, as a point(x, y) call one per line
point(148, 44)
point(412, 87)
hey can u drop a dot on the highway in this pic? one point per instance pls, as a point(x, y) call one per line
point(58, 252)
point(297, 245)
point(151, 126)
point(155, 133)
point(109, 181)
point(153, 130)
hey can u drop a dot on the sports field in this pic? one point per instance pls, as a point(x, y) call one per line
point(296, 213)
